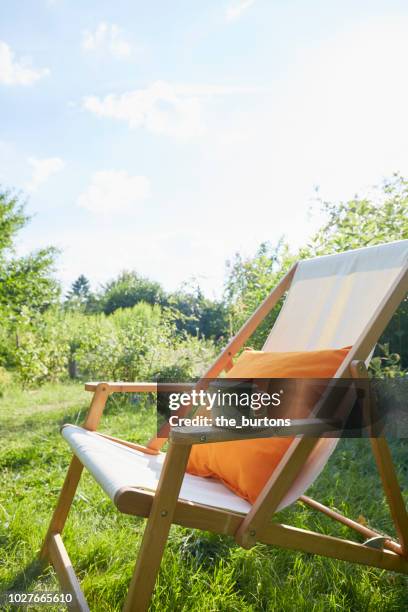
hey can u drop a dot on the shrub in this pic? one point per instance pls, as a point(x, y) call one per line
point(186, 359)
point(385, 364)
point(5, 380)
point(41, 347)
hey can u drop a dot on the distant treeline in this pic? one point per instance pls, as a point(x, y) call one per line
point(130, 328)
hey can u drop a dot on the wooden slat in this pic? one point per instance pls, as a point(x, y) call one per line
point(392, 490)
point(141, 387)
point(124, 387)
point(189, 514)
point(97, 406)
point(66, 575)
point(64, 503)
point(196, 516)
point(138, 447)
point(157, 529)
point(73, 476)
point(328, 546)
point(386, 469)
point(337, 516)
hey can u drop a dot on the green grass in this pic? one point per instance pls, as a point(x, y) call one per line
point(199, 571)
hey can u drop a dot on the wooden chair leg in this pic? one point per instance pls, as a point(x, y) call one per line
point(157, 529)
point(64, 502)
point(386, 469)
point(75, 469)
point(147, 567)
point(66, 575)
point(392, 490)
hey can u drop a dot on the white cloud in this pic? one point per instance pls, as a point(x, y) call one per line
point(17, 72)
point(162, 107)
point(112, 191)
point(234, 11)
point(107, 38)
point(42, 169)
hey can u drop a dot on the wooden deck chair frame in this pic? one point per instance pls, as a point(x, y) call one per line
point(163, 508)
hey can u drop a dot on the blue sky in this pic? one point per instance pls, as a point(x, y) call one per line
point(165, 136)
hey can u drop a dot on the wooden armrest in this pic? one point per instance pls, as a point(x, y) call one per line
point(123, 387)
point(140, 387)
point(202, 435)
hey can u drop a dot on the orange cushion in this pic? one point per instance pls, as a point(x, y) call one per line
point(246, 465)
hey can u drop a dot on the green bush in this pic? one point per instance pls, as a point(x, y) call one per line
point(5, 380)
point(135, 344)
point(385, 364)
point(186, 359)
point(131, 344)
point(123, 345)
point(42, 348)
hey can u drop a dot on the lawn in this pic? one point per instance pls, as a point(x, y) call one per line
point(199, 571)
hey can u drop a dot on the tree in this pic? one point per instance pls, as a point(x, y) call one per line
point(80, 288)
point(362, 222)
point(12, 218)
point(197, 315)
point(250, 280)
point(27, 285)
point(130, 289)
point(24, 281)
point(27, 282)
point(80, 296)
point(359, 222)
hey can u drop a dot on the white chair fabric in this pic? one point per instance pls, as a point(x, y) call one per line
point(330, 301)
point(114, 466)
point(333, 297)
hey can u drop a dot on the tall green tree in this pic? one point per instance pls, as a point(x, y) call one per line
point(25, 282)
point(80, 296)
point(12, 218)
point(128, 290)
point(197, 315)
point(80, 288)
point(249, 281)
point(362, 222)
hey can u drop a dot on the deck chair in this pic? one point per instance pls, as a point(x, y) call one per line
point(332, 301)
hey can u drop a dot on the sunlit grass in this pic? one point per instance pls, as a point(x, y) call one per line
point(200, 571)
